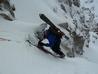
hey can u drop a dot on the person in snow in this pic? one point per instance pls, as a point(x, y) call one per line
point(54, 36)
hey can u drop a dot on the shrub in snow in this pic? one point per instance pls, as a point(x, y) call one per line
point(83, 20)
point(76, 42)
point(7, 10)
point(76, 3)
point(63, 8)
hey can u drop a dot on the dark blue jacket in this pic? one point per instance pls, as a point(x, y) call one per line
point(53, 39)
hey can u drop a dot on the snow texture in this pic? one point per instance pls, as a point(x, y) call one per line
point(17, 57)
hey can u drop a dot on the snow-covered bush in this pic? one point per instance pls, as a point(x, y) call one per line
point(83, 19)
point(76, 3)
point(7, 10)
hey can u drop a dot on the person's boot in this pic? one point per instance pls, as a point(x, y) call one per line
point(40, 43)
point(62, 56)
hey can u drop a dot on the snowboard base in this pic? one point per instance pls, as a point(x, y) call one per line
point(45, 50)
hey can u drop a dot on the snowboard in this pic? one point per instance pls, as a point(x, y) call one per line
point(46, 20)
point(49, 22)
point(44, 50)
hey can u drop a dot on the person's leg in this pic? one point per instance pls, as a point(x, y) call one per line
point(58, 51)
point(40, 43)
point(40, 46)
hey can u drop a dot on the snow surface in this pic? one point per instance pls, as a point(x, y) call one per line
point(93, 6)
point(17, 57)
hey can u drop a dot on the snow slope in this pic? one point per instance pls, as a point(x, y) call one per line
point(92, 5)
point(17, 57)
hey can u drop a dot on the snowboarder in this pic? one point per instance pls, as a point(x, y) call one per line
point(54, 36)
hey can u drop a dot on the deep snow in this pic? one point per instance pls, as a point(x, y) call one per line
point(17, 57)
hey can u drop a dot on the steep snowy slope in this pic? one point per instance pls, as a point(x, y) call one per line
point(31, 9)
point(92, 4)
point(17, 57)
